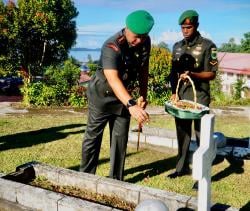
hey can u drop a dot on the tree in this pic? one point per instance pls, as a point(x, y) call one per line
point(245, 43)
point(40, 32)
point(163, 45)
point(231, 46)
point(216, 87)
point(90, 60)
point(238, 87)
point(8, 52)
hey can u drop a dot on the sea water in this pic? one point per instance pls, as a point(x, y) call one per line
point(83, 55)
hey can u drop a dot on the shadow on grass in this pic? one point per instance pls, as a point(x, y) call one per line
point(27, 139)
point(100, 161)
point(236, 166)
point(246, 207)
point(151, 169)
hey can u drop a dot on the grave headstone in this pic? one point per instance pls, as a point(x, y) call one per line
point(151, 204)
point(202, 162)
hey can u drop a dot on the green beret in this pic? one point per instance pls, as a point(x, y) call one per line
point(139, 22)
point(190, 14)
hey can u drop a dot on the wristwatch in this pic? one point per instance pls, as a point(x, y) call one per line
point(130, 103)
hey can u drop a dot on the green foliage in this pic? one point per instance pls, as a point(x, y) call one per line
point(66, 74)
point(60, 87)
point(37, 33)
point(159, 70)
point(222, 99)
point(238, 88)
point(245, 43)
point(39, 94)
point(216, 87)
point(9, 55)
point(93, 67)
point(163, 45)
point(218, 98)
point(232, 47)
point(78, 97)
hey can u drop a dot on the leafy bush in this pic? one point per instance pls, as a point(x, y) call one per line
point(93, 67)
point(238, 87)
point(159, 70)
point(60, 87)
point(66, 74)
point(78, 97)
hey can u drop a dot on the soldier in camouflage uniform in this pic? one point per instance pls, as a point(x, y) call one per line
point(194, 56)
point(124, 63)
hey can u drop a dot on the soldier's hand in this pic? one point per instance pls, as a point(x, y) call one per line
point(184, 75)
point(139, 114)
point(141, 102)
point(173, 97)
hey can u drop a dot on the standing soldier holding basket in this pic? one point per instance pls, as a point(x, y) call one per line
point(193, 57)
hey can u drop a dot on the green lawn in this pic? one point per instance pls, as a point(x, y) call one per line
point(54, 137)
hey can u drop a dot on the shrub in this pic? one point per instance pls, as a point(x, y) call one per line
point(159, 70)
point(78, 97)
point(59, 87)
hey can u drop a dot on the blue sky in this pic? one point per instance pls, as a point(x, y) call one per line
point(219, 20)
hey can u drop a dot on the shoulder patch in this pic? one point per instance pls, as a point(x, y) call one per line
point(113, 46)
point(121, 39)
point(213, 53)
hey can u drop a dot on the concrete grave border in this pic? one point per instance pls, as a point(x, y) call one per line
point(40, 199)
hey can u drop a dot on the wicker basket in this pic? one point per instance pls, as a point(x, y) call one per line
point(196, 112)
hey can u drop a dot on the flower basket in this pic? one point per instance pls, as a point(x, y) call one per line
point(186, 109)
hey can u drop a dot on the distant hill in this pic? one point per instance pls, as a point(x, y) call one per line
point(85, 49)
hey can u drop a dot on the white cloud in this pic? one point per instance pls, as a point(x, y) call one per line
point(169, 37)
point(93, 36)
point(98, 29)
point(206, 35)
point(88, 43)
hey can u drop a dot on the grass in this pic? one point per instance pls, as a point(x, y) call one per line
point(54, 136)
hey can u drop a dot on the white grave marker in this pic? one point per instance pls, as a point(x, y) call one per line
point(202, 162)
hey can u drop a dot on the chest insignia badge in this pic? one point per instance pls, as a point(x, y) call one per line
point(196, 52)
point(125, 76)
point(198, 48)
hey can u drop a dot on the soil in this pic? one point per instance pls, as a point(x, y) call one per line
point(111, 201)
point(7, 98)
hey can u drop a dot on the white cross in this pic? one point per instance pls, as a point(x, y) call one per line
point(202, 162)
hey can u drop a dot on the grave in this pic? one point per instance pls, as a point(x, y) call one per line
point(13, 188)
point(235, 148)
point(17, 194)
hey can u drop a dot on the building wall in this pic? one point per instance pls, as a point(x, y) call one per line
point(232, 66)
point(229, 79)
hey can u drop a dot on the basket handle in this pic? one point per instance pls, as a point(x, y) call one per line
point(193, 87)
